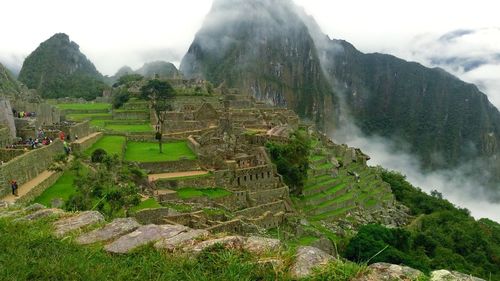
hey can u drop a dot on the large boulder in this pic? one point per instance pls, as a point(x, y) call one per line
point(34, 207)
point(76, 222)
point(189, 236)
point(389, 272)
point(115, 229)
point(445, 275)
point(308, 258)
point(260, 245)
point(233, 242)
point(142, 236)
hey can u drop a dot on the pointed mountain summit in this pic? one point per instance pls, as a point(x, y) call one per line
point(263, 48)
point(57, 69)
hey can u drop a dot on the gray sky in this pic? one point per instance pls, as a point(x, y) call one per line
point(113, 33)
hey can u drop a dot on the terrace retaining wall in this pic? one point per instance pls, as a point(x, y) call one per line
point(170, 166)
point(28, 165)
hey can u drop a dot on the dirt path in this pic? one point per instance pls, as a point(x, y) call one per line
point(27, 187)
point(154, 177)
point(82, 140)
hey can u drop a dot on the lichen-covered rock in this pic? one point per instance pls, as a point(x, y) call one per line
point(115, 229)
point(325, 245)
point(260, 245)
point(34, 207)
point(233, 242)
point(43, 213)
point(142, 236)
point(389, 272)
point(445, 275)
point(76, 222)
point(171, 243)
point(308, 258)
point(13, 213)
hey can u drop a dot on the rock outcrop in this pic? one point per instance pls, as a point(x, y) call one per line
point(115, 229)
point(308, 258)
point(390, 272)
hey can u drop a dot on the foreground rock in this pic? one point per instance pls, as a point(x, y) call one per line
point(389, 272)
point(8, 214)
point(142, 236)
point(233, 242)
point(190, 236)
point(308, 258)
point(43, 213)
point(445, 275)
point(261, 245)
point(76, 222)
point(115, 229)
point(34, 207)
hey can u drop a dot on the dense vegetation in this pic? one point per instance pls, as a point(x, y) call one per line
point(110, 187)
point(8, 84)
point(442, 236)
point(58, 69)
point(292, 160)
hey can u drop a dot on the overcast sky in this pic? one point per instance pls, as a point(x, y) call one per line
point(113, 33)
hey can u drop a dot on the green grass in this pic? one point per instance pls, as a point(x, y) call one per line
point(149, 152)
point(329, 191)
point(212, 193)
point(30, 252)
point(84, 106)
point(150, 203)
point(129, 128)
point(331, 214)
point(112, 145)
point(63, 188)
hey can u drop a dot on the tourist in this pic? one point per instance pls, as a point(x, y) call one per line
point(14, 187)
point(61, 135)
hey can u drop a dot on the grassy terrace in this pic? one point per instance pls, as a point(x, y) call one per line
point(212, 193)
point(331, 190)
point(150, 203)
point(63, 188)
point(84, 106)
point(149, 152)
point(112, 145)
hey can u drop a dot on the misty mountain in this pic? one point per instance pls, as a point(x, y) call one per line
point(161, 68)
point(263, 48)
point(57, 69)
point(8, 84)
point(272, 50)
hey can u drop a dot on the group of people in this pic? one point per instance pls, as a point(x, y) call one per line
point(23, 114)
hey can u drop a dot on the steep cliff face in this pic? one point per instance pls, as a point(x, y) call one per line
point(445, 120)
point(57, 68)
point(264, 49)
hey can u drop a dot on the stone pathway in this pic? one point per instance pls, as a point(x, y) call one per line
point(154, 177)
point(27, 187)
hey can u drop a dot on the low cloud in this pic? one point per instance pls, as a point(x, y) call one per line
point(471, 55)
point(457, 185)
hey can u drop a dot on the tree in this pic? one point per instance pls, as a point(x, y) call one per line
point(160, 95)
point(292, 160)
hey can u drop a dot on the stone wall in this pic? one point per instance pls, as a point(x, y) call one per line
point(156, 216)
point(83, 145)
point(170, 166)
point(46, 114)
point(8, 154)
point(268, 196)
point(131, 115)
point(7, 118)
point(198, 182)
point(81, 130)
point(5, 137)
point(28, 165)
point(257, 211)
